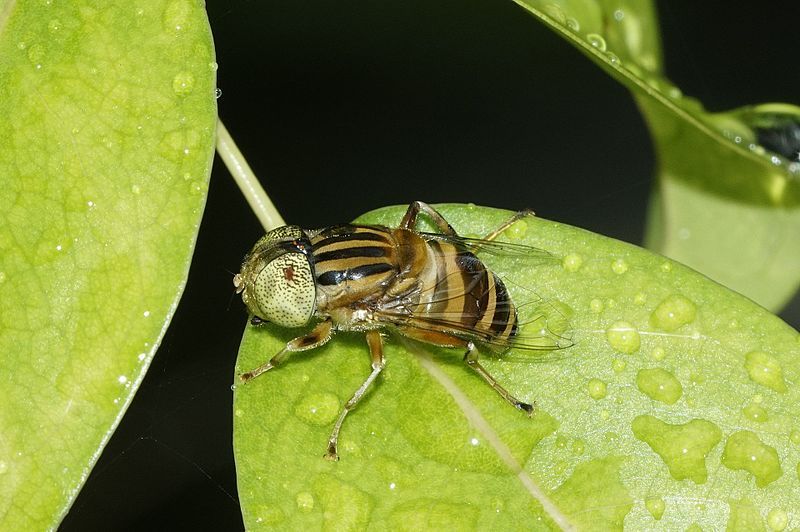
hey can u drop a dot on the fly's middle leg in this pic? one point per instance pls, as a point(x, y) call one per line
point(471, 358)
point(317, 337)
point(508, 223)
point(375, 343)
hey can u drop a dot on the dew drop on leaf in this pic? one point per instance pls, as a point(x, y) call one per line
point(305, 501)
point(596, 41)
point(683, 448)
point(597, 389)
point(656, 507)
point(777, 519)
point(572, 262)
point(660, 385)
point(745, 450)
point(755, 413)
point(619, 266)
point(318, 408)
point(673, 312)
point(765, 370)
point(623, 337)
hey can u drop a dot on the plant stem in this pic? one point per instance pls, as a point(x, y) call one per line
point(253, 192)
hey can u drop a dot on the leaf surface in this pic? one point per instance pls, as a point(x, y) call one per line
point(676, 405)
point(724, 178)
point(108, 115)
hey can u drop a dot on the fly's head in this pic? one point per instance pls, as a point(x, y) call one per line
point(277, 278)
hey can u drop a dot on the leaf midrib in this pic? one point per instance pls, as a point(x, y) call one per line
point(477, 420)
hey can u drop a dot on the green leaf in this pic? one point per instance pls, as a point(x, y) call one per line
point(108, 114)
point(676, 405)
point(724, 178)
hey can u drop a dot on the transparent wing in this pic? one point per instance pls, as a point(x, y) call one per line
point(494, 247)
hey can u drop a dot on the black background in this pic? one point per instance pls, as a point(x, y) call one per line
point(341, 107)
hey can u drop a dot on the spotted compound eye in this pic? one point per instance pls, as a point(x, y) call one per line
point(285, 291)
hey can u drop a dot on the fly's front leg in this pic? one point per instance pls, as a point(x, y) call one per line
point(376, 350)
point(508, 223)
point(471, 358)
point(410, 219)
point(317, 337)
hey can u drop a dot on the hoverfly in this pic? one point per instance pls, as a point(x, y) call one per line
point(429, 287)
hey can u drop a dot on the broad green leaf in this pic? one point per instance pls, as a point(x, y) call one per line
point(724, 178)
point(676, 405)
point(108, 116)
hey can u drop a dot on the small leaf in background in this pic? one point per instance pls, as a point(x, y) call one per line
point(724, 178)
point(108, 132)
point(676, 406)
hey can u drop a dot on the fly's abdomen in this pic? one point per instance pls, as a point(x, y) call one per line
point(354, 261)
point(467, 295)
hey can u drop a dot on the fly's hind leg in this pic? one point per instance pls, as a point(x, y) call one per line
point(376, 350)
point(508, 223)
point(471, 358)
point(317, 337)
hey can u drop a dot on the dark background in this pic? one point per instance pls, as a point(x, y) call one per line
point(341, 107)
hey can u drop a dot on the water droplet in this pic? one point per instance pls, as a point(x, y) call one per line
point(2, 277)
point(318, 408)
point(623, 337)
point(765, 370)
point(217, 93)
point(21, 45)
point(578, 447)
point(183, 83)
point(233, 387)
point(777, 519)
point(213, 66)
point(683, 448)
point(597, 41)
point(572, 24)
point(54, 25)
point(135, 189)
point(744, 450)
point(755, 413)
point(146, 313)
point(554, 11)
point(517, 230)
point(619, 15)
point(238, 412)
point(656, 506)
point(659, 354)
point(36, 53)
point(596, 305)
point(122, 379)
point(613, 58)
point(474, 442)
point(141, 357)
point(597, 389)
point(605, 414)
point(572, 262)
point(305, 501)
point(561, 441)
point(672, 313)
point(640, 298)
point(666, 267)
point(619, 365)
point(176, 15)
point(619, 266)
point(659, 385)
